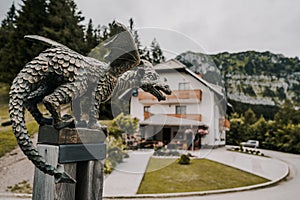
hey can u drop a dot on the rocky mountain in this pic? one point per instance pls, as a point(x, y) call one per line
point(260, 78)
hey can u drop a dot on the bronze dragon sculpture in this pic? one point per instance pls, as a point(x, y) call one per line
point(59, 76)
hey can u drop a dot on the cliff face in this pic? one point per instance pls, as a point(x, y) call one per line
point(260, 78)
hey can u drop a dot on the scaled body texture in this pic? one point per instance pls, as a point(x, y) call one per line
point(59, 76)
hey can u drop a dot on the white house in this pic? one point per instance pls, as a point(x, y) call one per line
point(195, 111)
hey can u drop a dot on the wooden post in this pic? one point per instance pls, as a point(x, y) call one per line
point(80, 151)
point(90, 180)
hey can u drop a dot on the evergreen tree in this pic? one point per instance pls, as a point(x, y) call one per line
point(259, 129)
point(32, 17)
point(250, 117)
point(146, 54)
point(91, 37)
point(153, 54)
point(7, 32)
point(10, 17)
point(104, 33)
point(156, 52)
point(7, 28)
point(135, 35)
point(287, 114)
point(18, 52)
point(236, 135)
point(63, 24)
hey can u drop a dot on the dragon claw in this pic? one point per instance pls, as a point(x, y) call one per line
point(45, 121)
point(67, 121)
point(63, 177)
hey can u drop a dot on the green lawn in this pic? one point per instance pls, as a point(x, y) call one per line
point(200, 175)
point(7, 139)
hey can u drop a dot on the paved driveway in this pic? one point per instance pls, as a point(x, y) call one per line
point(285, 190)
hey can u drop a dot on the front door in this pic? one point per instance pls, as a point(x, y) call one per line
point(166, 135)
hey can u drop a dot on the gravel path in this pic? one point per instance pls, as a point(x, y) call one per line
point(10, 165)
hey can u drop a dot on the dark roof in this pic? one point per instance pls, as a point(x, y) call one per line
point(174, 64)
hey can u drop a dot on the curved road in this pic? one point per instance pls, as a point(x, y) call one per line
point(288, 189)
point(285, 190)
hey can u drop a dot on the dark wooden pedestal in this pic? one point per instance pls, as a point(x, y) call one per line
point(80, 152)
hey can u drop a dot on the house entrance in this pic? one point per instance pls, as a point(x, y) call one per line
point(166, 135)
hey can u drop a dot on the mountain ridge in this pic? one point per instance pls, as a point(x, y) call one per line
point(257, 78)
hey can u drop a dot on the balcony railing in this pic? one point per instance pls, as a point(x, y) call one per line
point(176, 94)
point(226, 123)
point(196, 117)
point(147, 115)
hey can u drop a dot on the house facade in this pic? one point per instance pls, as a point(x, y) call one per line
point(192, 117)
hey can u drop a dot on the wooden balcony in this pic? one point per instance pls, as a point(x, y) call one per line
point(176, 94)
point(196, 117)
point(224, 123)
point(147, 115)
point(227, 123)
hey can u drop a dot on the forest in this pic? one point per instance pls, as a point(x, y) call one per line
point(281, 133)
point(276, 127)
point(61, 21)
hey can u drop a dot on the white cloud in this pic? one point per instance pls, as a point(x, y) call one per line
point(218, 25)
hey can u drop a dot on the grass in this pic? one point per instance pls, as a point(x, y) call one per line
point(21, 187)
point(7, 139)
point(200, 175)
point(3, 101)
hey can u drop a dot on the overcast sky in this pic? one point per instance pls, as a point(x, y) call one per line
point(210, 26)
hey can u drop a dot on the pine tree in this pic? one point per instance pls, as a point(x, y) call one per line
point(146, 54)
point(32, 17)
point(63, 24)
point(7, 31)
point(287, 114)
point(17, 52)
point(10, 17)
point(250, 117)
point(135, 35)
point(90, 36)
point(156, 52)
point(8, 26)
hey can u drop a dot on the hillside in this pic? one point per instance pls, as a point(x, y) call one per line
point(255, 78)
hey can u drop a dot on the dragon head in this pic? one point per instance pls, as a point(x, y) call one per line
point(150, 81)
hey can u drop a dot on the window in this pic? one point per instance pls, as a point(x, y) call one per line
point(180, 109)
point(146, 108)
point(184, 86)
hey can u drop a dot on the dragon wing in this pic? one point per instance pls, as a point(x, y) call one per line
point(123, 52)
point(44, 40)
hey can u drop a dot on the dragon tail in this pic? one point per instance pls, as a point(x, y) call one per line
point(18, 93)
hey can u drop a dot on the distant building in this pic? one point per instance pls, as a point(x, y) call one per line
point(193, 116)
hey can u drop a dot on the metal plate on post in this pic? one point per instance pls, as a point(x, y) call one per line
point(81, 152)
point(49, 135)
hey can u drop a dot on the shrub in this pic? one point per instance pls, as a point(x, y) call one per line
point(115, 153)
point(184, 160)
point(108, 166)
